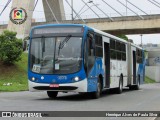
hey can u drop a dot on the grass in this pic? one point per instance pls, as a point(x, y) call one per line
point(149, 80)
point(16, 74)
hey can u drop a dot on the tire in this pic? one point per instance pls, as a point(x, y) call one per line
point(52, 94)
point(120, 88)
point(96, 95)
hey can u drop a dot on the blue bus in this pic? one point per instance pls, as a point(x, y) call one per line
point(78, 58)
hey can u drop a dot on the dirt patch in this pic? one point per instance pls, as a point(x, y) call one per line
point(4, 69)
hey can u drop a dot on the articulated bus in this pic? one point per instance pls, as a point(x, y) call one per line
point(78, 58)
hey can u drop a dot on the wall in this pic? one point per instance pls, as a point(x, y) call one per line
point(153, 72)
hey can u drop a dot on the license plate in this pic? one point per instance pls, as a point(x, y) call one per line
point(54, 85)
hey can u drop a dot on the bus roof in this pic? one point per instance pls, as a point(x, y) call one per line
point(50, 25)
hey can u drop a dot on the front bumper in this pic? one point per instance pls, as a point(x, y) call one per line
point(80, 86)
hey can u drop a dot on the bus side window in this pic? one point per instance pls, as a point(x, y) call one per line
point(85, 56)
point(91, 56)
point(90, 45)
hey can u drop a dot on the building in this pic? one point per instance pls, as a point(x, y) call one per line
point(153, 61)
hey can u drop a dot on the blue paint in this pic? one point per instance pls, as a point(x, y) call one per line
point(48, 79)
point(94, 74)
point(141, 68)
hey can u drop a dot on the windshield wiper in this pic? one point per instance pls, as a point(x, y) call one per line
point(61, 45)
point(64, 41)
point(43, 45)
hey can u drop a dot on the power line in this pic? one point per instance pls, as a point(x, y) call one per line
point(5, 7)
point(112, 8)
point(91, 9)
point(154, 3)
point(137, 7)
point(86, 10)
point(130, 9)
point(103, 12)
point(75, 11)
point(35, 5)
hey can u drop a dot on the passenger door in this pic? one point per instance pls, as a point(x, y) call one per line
point(106, 62)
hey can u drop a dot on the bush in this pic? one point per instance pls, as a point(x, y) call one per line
point(10, 47)
point(123, 37)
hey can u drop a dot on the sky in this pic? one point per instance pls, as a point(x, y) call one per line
point(145, 5)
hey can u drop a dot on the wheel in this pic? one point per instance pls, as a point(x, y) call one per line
point(52, 94)
point(138, 84)
point(96, 95)
point(120, 88)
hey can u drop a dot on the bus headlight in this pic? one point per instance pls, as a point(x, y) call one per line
point(76, 79)
point(33, 79)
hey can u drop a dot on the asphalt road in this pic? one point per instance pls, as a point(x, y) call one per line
point(145, 99)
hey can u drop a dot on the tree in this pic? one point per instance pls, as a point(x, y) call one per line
point(10, 47)
point(123, 37)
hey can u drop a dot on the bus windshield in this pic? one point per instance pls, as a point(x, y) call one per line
point(55, 55)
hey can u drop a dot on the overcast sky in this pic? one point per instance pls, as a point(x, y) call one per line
point(145, 5)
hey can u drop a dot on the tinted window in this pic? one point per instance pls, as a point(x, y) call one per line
point(98, 46)
point(98, 40)
point(91, 56)
point(118, 55)
point(113, 54)
point(118, 50)
point(118, 46)
point(99, 52)
point(123, 47)
point(112, 44)
point(124, 56)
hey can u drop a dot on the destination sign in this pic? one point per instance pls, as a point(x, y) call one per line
point(57, 30)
